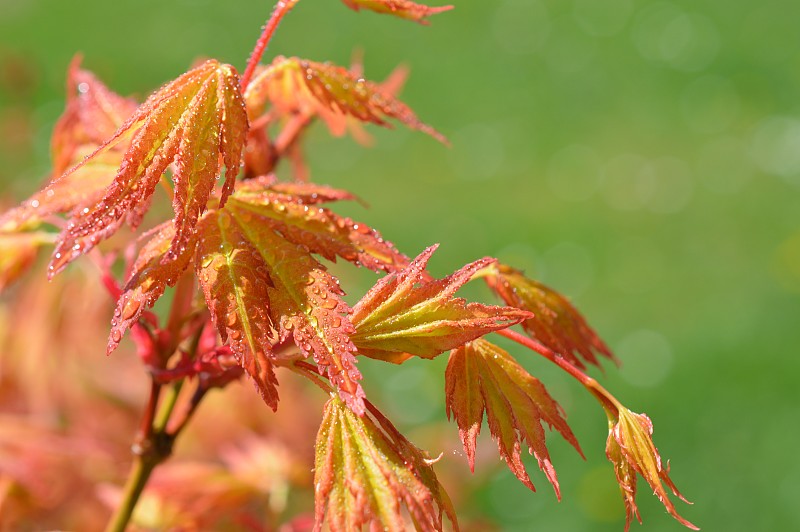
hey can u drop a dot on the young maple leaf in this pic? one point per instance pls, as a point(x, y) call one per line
point(295, 85)
point(366, 471)
point(256, 281)
point(399, 8)
point(150, 276)
point(289, 209)
point(555, 322)
point(195, 120)
point(482, 377)
point(93, 113)
point(405, 315)
point(630, 448)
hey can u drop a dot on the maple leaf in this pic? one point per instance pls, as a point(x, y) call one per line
point(404, 314)
point(366, 471)
point(299, 192)
point(289, 209)
point(481, 377)
point(630, 448)
point(399, 8)
point(256, 281)
point(93, 113)
point(295, 85)
point(193, 121)
point(149, 277)
point(555, 322)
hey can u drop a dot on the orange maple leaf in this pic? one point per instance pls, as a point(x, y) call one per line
point(366, 471)
point(399, 8)
point(556, 323)
point(480, 378)
point(405, 315)
point(192, 121)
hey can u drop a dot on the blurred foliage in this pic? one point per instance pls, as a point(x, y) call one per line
point(643, 157)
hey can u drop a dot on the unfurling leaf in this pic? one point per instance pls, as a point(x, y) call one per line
point(630, 448)
point(195, 120)
point(555, 323)
point(256, 281)
point(93, 113)
point(480, 378)
point(296, 85)
point(366, 472)
point(149, 278)
point(399, 8)
point(404, 314)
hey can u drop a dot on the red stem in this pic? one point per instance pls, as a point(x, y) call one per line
point(281, 8)
point(146, 428)
point(607, 400)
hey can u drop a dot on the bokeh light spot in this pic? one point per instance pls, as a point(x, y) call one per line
point(602, 19)
point(570, 268)
point(478, 152)
point(646, 358)
point(575, 172)
point(685, 41)
point(710, 104)
point(776, 147)
point(521, 26)
point(630, 182)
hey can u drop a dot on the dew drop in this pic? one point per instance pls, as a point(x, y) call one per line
point(116, 336)
point(35, 204)
point(130, 310)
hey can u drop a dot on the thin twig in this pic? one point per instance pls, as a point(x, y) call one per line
point(281, 8)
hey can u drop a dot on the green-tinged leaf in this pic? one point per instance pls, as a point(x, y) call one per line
point(298, 297)
point(235, 282)
point(289, 210)
point(296, 85)
point(17, 253)
point(399, 8)
point(555, 323)
point(192, 121)
point(296, 192)
point(150, 276)
point(366, 473)
point(405, 314)
point(482, 377)
point(630, 448)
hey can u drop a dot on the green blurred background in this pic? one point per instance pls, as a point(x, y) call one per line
point(641, 157)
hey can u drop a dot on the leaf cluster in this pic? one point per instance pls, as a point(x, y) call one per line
point(246, 255)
